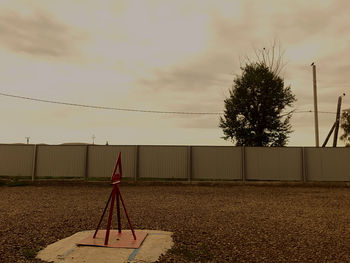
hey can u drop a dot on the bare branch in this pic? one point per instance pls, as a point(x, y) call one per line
point(271, 57)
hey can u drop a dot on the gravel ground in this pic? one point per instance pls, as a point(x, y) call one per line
point(210, 224)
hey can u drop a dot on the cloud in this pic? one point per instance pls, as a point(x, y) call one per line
point(36, 34)
point(201, 122)
point(197, 86)
point(188, 78)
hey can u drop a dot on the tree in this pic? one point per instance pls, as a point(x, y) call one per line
point(345, 125)
point(253, 111)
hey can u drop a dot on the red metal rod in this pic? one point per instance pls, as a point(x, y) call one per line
point(118, 211)
point(126, 212)
point(115, 166)
point(110, 215)
point(120, 165)
point(103, 214)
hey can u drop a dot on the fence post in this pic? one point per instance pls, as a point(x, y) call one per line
point(136, 174)
point(243, 163)
point(303, 164)
point(34, 163)
point(86, 174)
point(189, 163)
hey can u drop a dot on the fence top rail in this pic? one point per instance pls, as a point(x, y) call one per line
point(167, 145)
point(17, 144)
point(328, 148)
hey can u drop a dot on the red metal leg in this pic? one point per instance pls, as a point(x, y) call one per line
point(110, 215)
point(126, 212)
point(103, 214)
point(118, 211)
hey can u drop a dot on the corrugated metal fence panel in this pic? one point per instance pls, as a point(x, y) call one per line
point(273, 163)
point(16, 160)
point(216, 162)
point(328, 164)
point(102, 160)
point(61, 161)
point(163, 161)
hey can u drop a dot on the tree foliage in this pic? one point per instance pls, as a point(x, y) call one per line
point(253, 113)
point(345, 125)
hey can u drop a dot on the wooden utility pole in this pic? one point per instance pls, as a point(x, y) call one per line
point(335, 126)
point(337, 121)
point(329, 135)
point(315, 104)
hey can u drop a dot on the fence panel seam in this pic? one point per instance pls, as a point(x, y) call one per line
point(86, 173)
point(34, 163)
point(303, 171)
point(189, 163)
point(243, 164)
point(136, 173)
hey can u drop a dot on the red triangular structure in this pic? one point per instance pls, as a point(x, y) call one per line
point(115, 196)
point(116, 177)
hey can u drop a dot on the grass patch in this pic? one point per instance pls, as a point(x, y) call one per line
point(194, 254)
point(162, 179)
point(215, 180)
point(130, 179)
point(60, 178)
point(29, 253)
point(9, 177)
point(107, 179)
point(184, 252)
point(16, 183)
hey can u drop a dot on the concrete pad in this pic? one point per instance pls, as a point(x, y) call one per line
point(66, 250)
point(125, 239)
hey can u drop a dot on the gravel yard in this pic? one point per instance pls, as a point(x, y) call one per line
point(210, 224)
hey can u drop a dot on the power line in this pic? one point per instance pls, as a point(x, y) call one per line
point(310, 111)
point(138, 110)
point(108, 108)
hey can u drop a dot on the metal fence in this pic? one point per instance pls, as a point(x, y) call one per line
point(177, 162)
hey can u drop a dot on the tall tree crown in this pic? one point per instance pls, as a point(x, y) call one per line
point(253, 112)
point(345, 124)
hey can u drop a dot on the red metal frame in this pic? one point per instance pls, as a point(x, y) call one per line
point(115, 196)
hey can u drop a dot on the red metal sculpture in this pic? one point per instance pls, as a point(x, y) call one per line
point(121, 240)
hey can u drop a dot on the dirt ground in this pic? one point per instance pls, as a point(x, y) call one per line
point(210, 224)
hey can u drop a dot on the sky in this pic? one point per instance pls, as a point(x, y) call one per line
point(163, 56)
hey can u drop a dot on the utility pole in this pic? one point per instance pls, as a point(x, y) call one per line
point(335, 126)
point(337, 121)
point(27, 139)
point(93, 138)
point(315, 103)
point(329, 135)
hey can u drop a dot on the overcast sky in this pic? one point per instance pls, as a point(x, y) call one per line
point(160, 55)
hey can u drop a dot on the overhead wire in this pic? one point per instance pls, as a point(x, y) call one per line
point(106, 107)
point(138, 110)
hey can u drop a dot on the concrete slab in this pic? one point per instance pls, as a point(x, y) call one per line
point(125, 239)
point(65, 250)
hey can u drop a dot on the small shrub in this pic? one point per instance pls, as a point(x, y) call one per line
point(29, 253)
